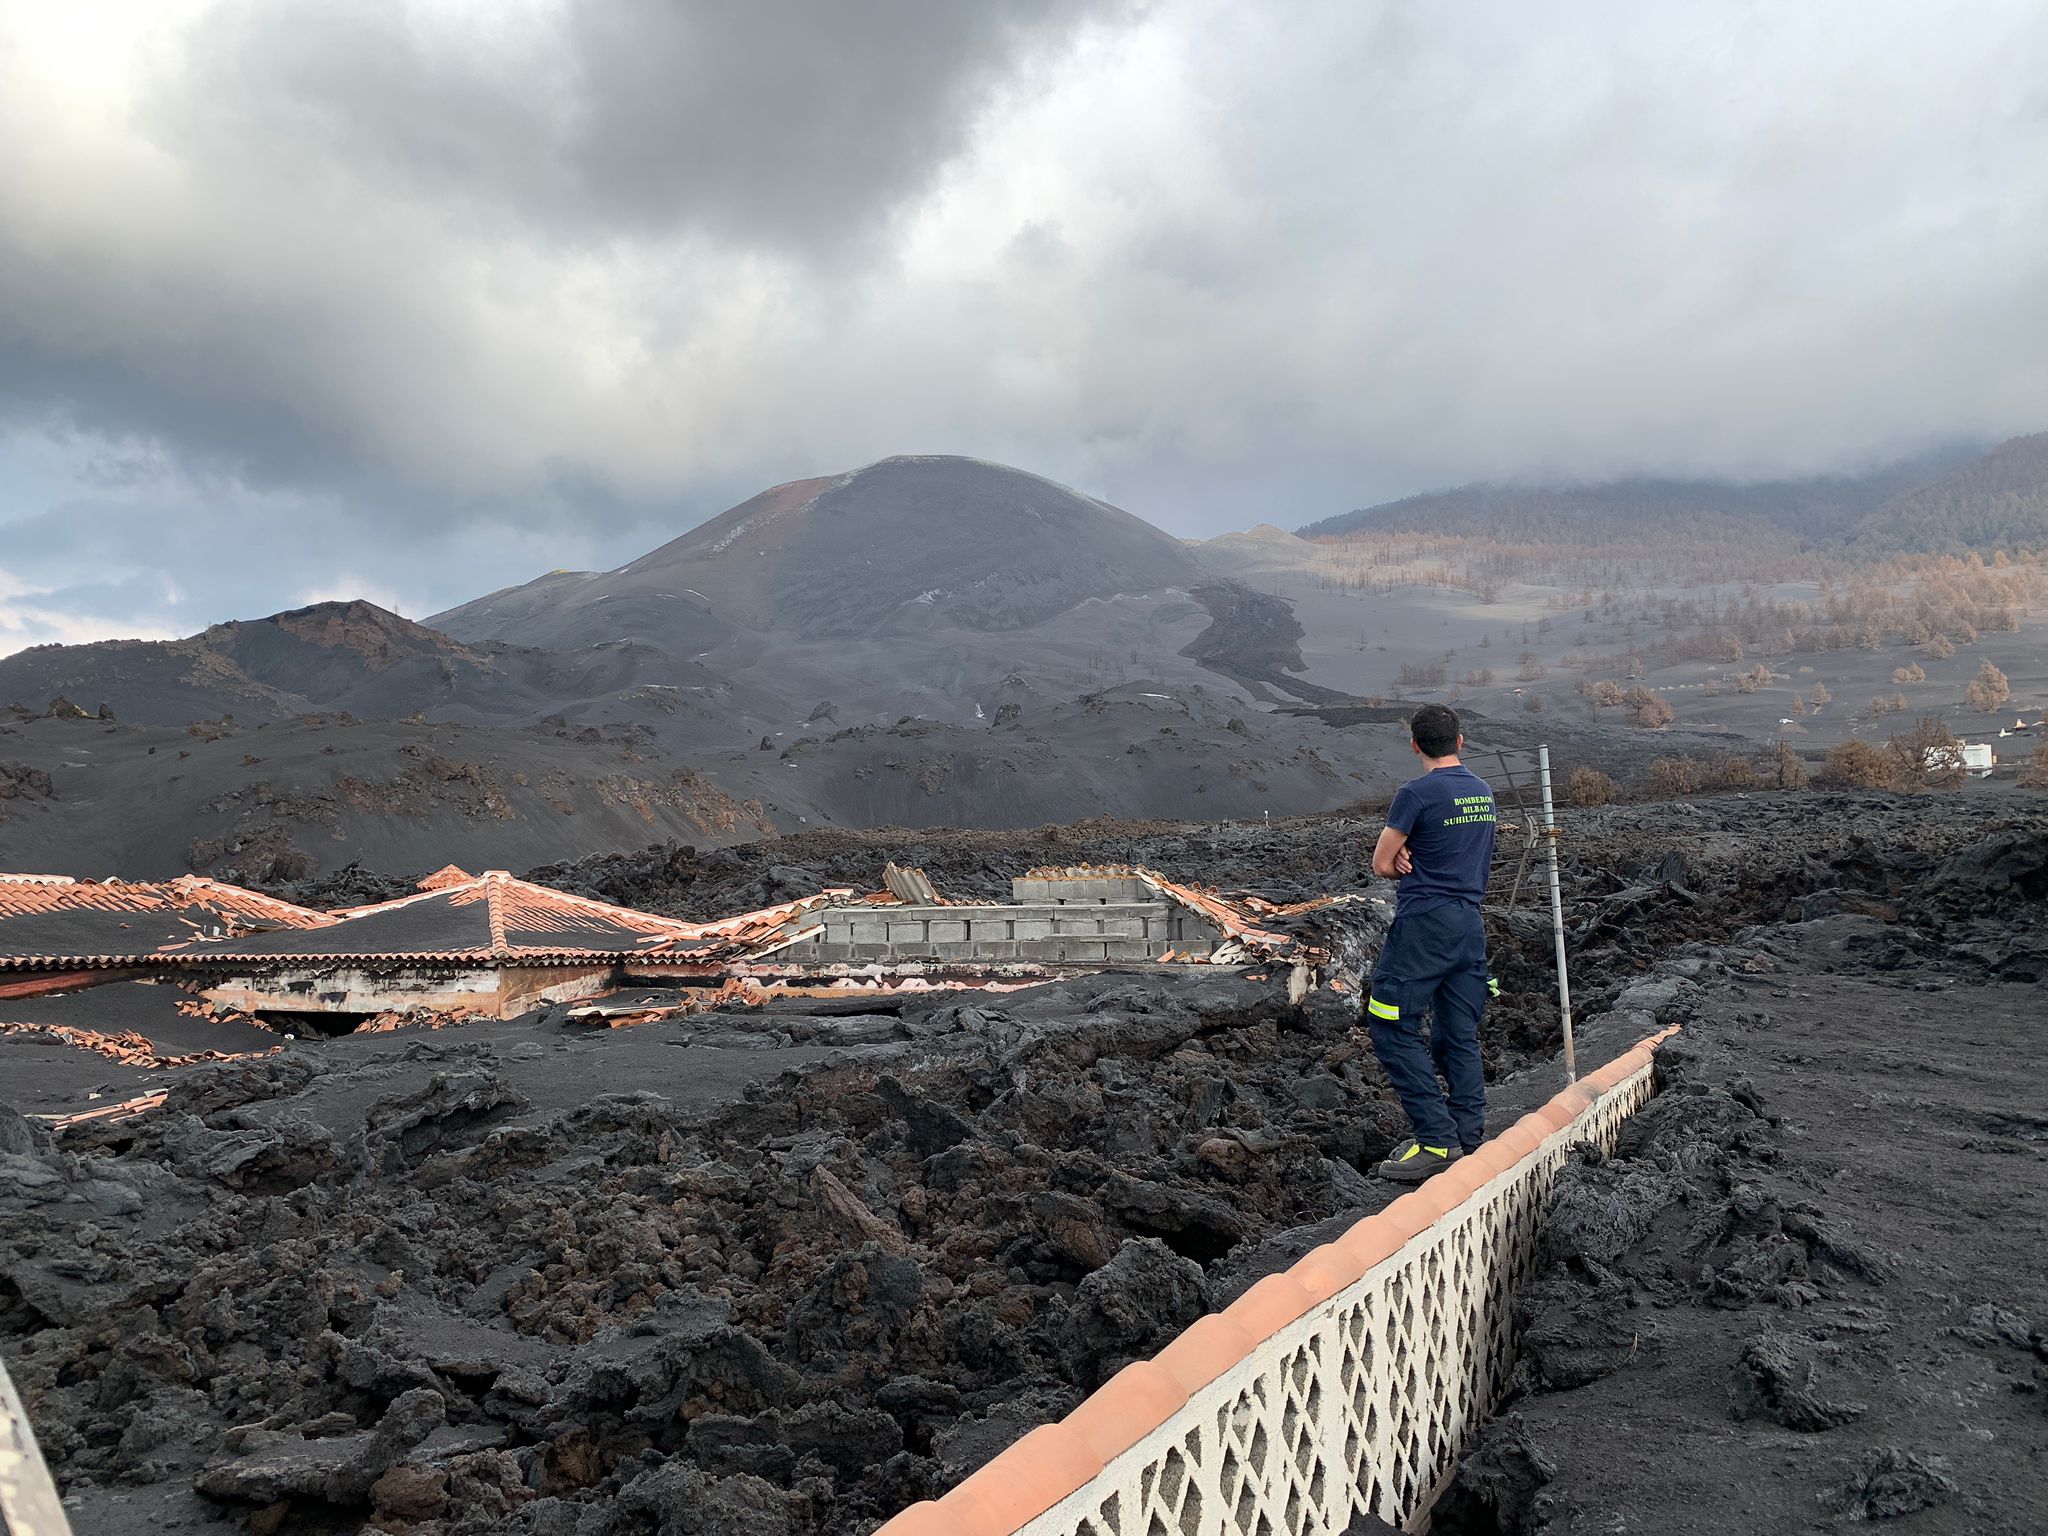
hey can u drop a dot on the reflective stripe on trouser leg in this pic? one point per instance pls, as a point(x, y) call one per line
point(1404, 1056)
point(1380, 1010)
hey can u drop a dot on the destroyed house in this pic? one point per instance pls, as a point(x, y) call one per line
point(59, 932)
point(496, 945)
point(488, 943)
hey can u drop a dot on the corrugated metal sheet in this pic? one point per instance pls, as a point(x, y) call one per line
point(911, 886)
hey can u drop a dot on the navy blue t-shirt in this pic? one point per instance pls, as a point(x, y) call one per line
point(1448, 816)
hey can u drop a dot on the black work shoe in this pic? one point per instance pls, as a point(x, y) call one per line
point(1412, 1162)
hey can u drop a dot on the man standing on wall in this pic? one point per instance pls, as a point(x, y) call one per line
point(1438, 843)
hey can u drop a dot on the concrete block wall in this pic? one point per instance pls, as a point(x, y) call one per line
point(1090, 890)
point(1052, 933)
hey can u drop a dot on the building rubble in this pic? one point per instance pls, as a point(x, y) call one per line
point(498, 946)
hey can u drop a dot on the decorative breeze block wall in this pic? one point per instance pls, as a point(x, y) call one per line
point(1348, 1384)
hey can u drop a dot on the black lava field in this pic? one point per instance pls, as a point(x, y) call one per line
point(784, 1271)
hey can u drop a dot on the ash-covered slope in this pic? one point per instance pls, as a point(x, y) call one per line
point(1262, 547)
point(288, 799)
point(939, 587)
point(935, 586)
point(1816, 509)
point(1997, 501)
point(359, 659)
point(976, 545)
point(259, 669)
point(352, 656)
point(1134, 751)
point(294, 799)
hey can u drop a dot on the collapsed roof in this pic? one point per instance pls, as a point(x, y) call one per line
point(494, 917)
point(497, 919)
point(57, 923)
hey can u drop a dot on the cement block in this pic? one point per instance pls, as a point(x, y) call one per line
point(1081, 891)
point(1058, 950)
point(1026, 928)
point(942, 930)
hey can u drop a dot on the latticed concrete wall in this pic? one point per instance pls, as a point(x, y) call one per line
point(28, 1499)
point(1348, 1383)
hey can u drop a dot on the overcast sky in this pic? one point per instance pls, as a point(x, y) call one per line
point(411, 301)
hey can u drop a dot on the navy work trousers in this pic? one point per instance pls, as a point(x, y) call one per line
point(1434, 963)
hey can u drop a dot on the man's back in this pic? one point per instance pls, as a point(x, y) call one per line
point(1448, 816)
point(1432, 968)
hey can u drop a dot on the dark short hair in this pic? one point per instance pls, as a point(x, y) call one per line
point(1435, 728)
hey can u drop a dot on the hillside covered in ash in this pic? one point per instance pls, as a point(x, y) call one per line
point(942, 588)
point(926, 641)
point(356, 659)
point(1951, 499)
point(935, 642)
point(979, 545)
point(275, 802)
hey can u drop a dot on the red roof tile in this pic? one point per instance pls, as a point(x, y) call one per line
point(53, 922)
point(20, 894)
point(492, 917)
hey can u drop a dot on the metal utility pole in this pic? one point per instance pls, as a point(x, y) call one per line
point(1564, 981)
point(29, 1505)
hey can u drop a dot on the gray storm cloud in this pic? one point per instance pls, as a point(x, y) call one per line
point(793, 123)
point(516, 278)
